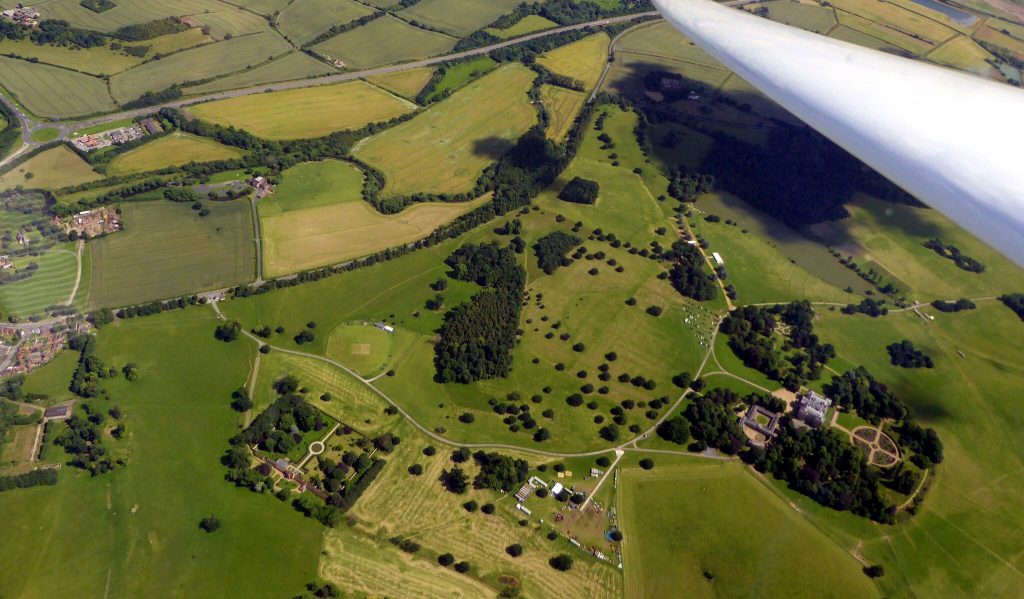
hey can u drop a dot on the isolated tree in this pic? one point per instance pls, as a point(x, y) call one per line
point(471, 506)
point(647, 463)
point(561, 562)
point(874, 571)
point(676, 430)
point(446, 559)
point(515, 550)
point(455, 480)
point(209, 524)
point(416, 470)
point(616, 536)
point(228, 332)
point(609, 433)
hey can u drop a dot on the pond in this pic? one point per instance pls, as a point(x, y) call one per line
point(958, 16)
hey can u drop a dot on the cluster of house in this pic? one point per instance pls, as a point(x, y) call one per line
point(37, 349)
point(91, 223)
point(261, 185)
point(22, 15)
point(760, 423)
point(118, 136)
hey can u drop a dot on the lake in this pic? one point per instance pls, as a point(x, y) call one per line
point(959, 17)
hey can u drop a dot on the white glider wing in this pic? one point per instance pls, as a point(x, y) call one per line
point(951, 139)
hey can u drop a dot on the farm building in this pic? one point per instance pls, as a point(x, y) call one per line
point(61, 412)
point(384, 327)
point(762, 424)
point(812, 409)
point(22, 15)
point(151, 126)
point(718, 258)
point(557, 488)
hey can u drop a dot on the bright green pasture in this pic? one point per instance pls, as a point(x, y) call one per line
point(212, 60)
point(391, 291)
point(303, 20)
point(313, 184)
point(387, 40)
point(893, 234)
point(769, 262)
point(688, 518)
point(50, 169)
point(51, 284)
point(965, 540)
point(50, 91)
point(167, 250)
point(294, 65)
point(134, 532)
point(447, 147)
point(458, 17)
point(818, 19)
point(459, 74)
point(95, 61)
point(172, 150)
point(352, 402)
point(528, 24)
point(367, 349)
point(127, 12)
point(52, 379)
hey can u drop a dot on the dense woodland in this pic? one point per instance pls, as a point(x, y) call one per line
point(754, 331)
point(477, 337)
point(687, 274)
point(552, 250)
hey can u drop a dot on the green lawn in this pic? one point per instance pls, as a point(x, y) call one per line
point(689, 518)
point(313, 184)
point(49, 285)
point(462, 73)
point(134, 532)
point(387, 40)
point(167, 250)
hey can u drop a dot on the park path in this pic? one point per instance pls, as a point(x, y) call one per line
point(79, 248)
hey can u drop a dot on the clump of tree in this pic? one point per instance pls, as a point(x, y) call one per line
point(580, 191)
point(957, 306)
point(687, 274)
point(1015, 302)
point(686, 186)
point(953, 253)
point(552, 250)
point(499, 472)
point(753, 338)
point(85, 380)
point(209, 524)
point(675, 429)
point(28, 479)
point(228, 331)
point(713, 423)
point(858, 390)
point(867, 306)
point(455, 480)
point(561, 562)
point(83, 439)
point(477, 337)
point(906, 355)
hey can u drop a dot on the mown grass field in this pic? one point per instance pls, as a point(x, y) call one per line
point(317, 217)
point(387, 40)
point(50, 169)
point(51, 284)
point(171, 150)
point(167, 250)
point(406, 83)
point(294, 65)
point(688, 516)
point(582, 60)
point(302, 113)
point(818, 19)
point(459, 18)
point(528, 24)
point(963, 53)
point(301, 21)
point(397, 504)
point(134, 532)
point(125, 13)
point(211, 60)
point(447, 147)
point(460, 74)
point(50, 91)
point(563, 105)
point(365, 348)
point(95, 61)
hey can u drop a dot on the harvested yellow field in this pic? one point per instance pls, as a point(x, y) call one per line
point(444, 149)
point(55, 168)
point(302, 239)
point(404, 83)
point(583, 60)
point(563, 105)
point(175, 149)
point(964, 53)
point(309, 112)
